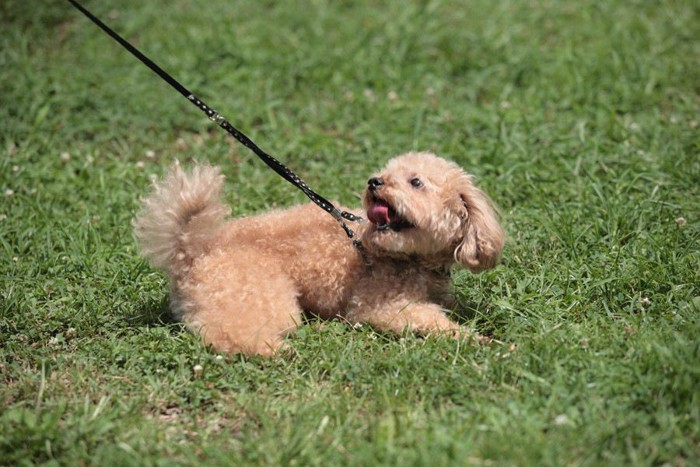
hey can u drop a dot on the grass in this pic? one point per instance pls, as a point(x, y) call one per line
point(579, 118)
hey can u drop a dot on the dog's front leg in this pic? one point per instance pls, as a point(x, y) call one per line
point(400, 314)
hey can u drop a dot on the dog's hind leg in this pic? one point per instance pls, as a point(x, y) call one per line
point(238, 305)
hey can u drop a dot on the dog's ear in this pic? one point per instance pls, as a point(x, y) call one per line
point(482, 235)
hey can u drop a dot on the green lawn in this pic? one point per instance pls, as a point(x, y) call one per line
point(580, 118)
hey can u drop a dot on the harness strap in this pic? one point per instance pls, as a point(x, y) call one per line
point(282, 170)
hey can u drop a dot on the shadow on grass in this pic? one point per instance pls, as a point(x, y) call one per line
point(471, 314)
point(153, 312)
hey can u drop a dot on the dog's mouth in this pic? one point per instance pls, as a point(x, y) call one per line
point(385, 217)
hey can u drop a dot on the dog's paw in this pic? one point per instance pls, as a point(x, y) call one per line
point(469, 336)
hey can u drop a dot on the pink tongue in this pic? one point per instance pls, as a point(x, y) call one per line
point(378, 213)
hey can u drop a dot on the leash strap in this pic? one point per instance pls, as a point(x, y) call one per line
point(215, 117)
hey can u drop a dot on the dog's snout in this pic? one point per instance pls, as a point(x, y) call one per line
point(374, 183)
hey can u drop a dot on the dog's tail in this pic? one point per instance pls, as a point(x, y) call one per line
point(178, 218)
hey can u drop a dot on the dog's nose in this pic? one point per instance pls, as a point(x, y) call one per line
point(374, 183)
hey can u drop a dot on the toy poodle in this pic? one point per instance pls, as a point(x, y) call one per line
point(246, 283)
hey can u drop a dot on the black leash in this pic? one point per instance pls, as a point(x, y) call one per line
point(215, 117)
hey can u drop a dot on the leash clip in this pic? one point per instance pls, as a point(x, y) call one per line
point(339, 215)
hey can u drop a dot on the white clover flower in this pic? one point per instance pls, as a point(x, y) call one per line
point(561, 419)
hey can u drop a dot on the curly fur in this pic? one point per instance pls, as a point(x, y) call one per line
point(245, 284)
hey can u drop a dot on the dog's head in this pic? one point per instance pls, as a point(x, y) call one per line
point(422, 205)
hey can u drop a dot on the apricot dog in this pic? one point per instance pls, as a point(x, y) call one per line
point(244, 284)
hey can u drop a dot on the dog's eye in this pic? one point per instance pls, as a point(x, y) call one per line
point(416, 182)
